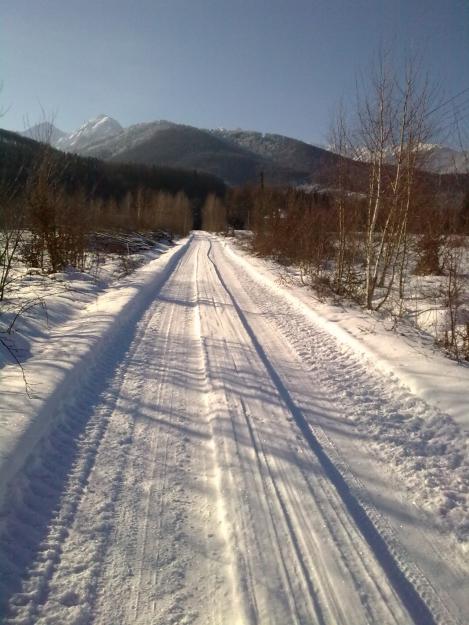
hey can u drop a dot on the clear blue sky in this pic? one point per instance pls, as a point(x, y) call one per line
point(270, 65)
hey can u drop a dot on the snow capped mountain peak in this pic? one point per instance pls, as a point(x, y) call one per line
point(433, 157)
point(44, 131)
point(92, 131)
point(102, 123)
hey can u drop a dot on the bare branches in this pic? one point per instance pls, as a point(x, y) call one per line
point(17, 361)
point(382, 216)
point(214, 214)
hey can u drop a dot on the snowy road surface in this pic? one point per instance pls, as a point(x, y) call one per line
point(206, 473)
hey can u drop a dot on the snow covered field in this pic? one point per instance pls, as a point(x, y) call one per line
point(204, 445)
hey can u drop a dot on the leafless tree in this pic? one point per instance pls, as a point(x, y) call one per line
point(11, 236)
point(394, 124)
point(214, 214)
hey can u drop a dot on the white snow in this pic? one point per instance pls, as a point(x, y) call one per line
point(94, 130)
point(418, 365)
point(436, 158)
point(59, 357)
point(206, 445)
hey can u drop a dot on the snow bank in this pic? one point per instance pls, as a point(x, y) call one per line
point(56, 371)
point(442, 383)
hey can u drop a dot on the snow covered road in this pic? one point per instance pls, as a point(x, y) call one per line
point(208, 473)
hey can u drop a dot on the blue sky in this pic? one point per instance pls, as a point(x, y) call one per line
point(270, 65)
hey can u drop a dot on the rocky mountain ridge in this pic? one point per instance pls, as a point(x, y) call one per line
point(237, 156)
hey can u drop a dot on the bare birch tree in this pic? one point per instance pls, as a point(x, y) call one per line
point(394, 123)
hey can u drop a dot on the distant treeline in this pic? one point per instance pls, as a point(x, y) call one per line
point(97, 179)
point(52, 204)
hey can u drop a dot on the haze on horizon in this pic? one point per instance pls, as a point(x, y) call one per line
point(272, 66)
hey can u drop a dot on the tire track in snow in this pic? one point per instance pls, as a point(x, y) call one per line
point(191, 499)
point(176, 559)
point(410, 597)
point(44, 500)
point(428, 449)
point(373, 404)
point(235, 590)
point(256, 517)
point(154, 449)
point(281, 316)
point(244, 578)
point(272, 487)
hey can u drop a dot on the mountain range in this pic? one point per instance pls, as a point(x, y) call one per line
point(236, 156)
